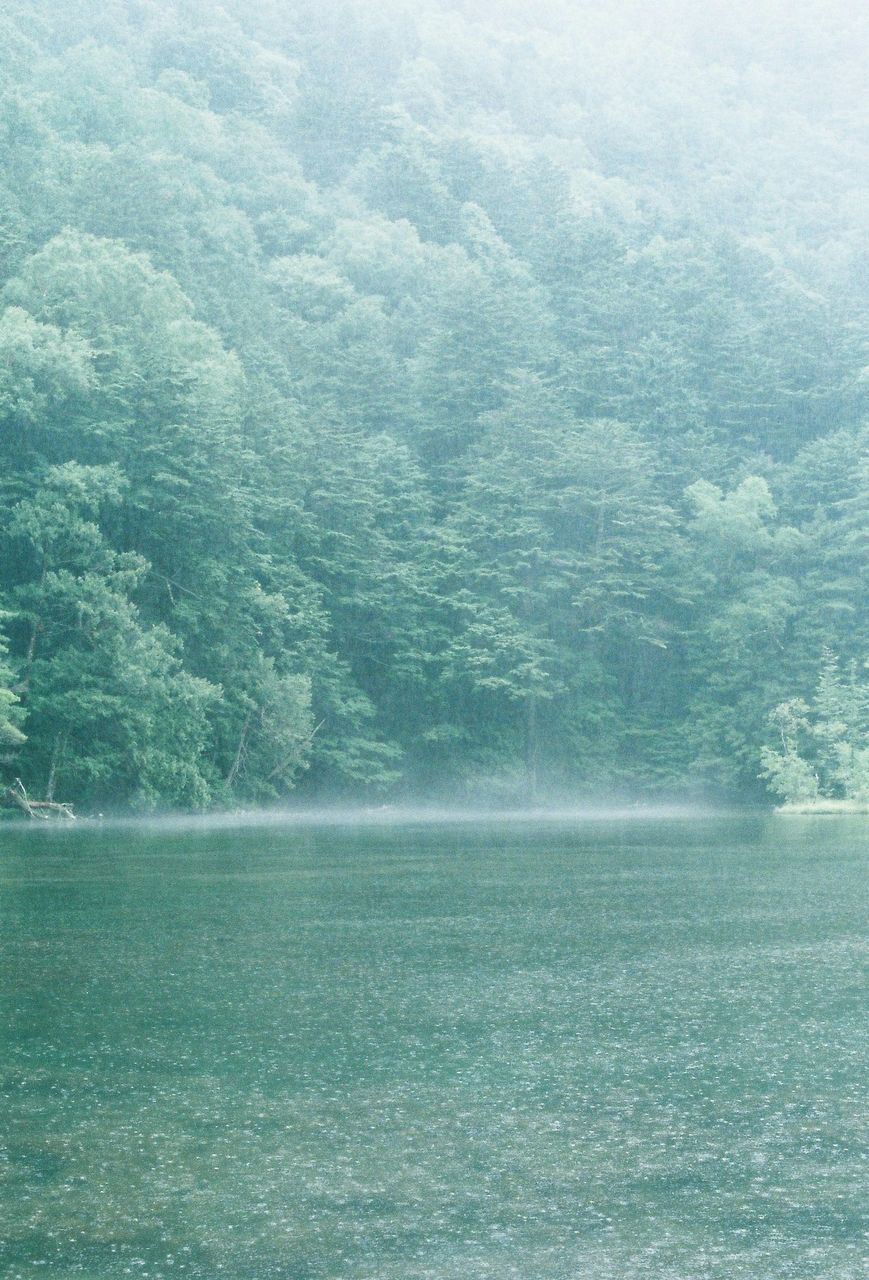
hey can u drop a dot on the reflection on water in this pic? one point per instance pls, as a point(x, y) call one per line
point(613, 1049)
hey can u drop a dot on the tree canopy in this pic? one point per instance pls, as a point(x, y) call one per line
point(430, 397)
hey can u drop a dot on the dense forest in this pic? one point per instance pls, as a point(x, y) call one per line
point(432, 398)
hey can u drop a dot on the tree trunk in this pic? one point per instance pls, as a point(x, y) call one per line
point(239, 755)
point(531, 746)
point(56, 757)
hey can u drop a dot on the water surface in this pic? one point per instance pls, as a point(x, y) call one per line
point(541, 1050)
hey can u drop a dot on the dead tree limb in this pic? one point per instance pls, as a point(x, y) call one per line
point(44, 809)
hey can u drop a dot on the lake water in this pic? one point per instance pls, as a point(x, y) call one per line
point(606, 1050)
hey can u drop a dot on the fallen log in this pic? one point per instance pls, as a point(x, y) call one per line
point(44, 809)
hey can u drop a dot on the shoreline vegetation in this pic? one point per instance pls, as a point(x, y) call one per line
point(834, 807)
point(341, 815)
point(342, 812)
point(429, 400)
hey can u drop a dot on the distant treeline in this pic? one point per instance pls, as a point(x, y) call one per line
point(394, 397)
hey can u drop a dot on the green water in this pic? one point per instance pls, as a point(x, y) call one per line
point(611, 1050)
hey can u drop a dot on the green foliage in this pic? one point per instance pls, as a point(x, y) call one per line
point(832, 732)
point(112, 708)
point(789, 774)
point(378, 411)
point(11, 712)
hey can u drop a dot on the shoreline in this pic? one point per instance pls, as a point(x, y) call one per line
point(825, 807)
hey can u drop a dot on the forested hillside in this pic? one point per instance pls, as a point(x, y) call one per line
point(429, 398)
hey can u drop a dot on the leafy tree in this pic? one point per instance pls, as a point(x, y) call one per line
point(561, 534)
point(791, 776)
point(114, 713)
point(11, 711)
point(824, 747)
point(743, 578)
